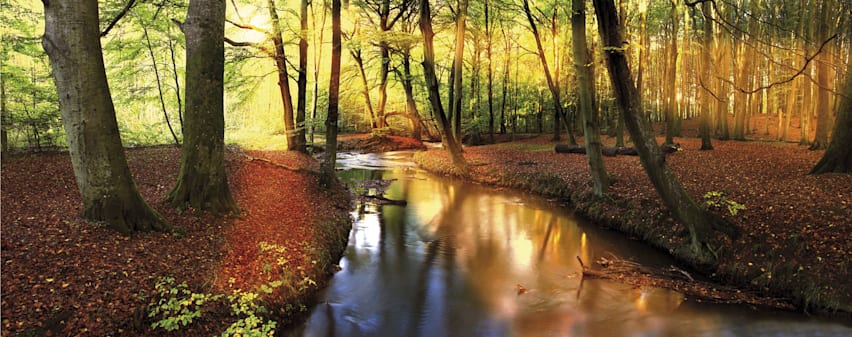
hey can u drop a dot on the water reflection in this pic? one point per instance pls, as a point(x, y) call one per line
point(464, 260)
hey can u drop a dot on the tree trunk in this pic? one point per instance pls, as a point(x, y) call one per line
point(838, 155)
point(823, 120)
point(71, 40)
point(327, 168)
point(698, 221)
point(458, 68)
point(4, 136)
point(368, 103)
point(488, 38)
point(586, 91)
point(707, 74)
point(671, 75)
point(302, 81)
point(317, 60)
point(448, 138)
point(202, 183)
point(283, 78)
point(384, 49)
point(410, 104)
point(159, 84)
point(554, 89)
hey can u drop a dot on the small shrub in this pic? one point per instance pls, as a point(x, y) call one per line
point(717, 199)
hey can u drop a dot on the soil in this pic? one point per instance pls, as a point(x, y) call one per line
point(65, 276)
point(797, 227)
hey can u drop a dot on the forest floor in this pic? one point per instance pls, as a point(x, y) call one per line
point(65, 276)
point(797, 228)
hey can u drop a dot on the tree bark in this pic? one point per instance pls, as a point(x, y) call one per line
point(283, 78)
point(202, 183)
point(707, 74)
point(88, 114)
point(698, 221)
point(410, 104)
point(586, 90)
point(838, 155)
point(823, 120)
point(327, 168)
point(448, 138)
point(458, 69)
point(554, 89)
point(488, 50)
point(671, 75)
point(317, 60)
point(302, 80)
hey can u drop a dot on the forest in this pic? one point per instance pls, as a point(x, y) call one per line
point(717, 104)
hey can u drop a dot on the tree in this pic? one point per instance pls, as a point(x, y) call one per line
point(838, 155)
point(202, 182)
point(448, 139)
point(302, 81)
point(707, 63)
point(458, 67)
point(585, 92)
point(698, 221)
point(822, 69)
point(327, 167)
point(555, 91)
point(73, 46)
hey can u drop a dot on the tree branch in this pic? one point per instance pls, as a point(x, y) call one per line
point(249, 44)
point(118, 17)
point(246, 26)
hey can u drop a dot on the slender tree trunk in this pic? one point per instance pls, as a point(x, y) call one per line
point(368, 103)
point(327, 167)
point(302, 80)
point(159, 84)
point(100, 167)
point(671, 74)
point(488, 39)
point(823, 114)
point(448, 138)
point(4, 115)
point(177, 84)
point(410, 104)
point(554, 90)
point(283, 78)
point(317, 60)
point(707, 75)
point(586, 91)
point(384, 49)
point(507, 51)
point(698, 221)
point(458, 68)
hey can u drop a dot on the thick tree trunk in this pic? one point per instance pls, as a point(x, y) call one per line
point(202, 183)
point(302, 81)
point(698, 221)
point(448, 138)
point(838, 155)
point(327, 168)
point(100, 167)
point(586, 91)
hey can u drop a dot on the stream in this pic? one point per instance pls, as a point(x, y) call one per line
point(461, 259)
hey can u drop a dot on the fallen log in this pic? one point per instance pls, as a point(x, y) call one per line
point(611, 151)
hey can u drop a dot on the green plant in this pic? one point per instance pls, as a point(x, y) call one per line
point(718, 199)
point(252, 324)
point(177, 305)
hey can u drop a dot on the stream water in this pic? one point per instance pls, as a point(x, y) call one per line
point(462, 259)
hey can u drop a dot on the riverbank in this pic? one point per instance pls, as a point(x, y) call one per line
point(64, 276)
point(797, 228)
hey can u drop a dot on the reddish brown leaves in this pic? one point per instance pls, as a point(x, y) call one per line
point(54, 263)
